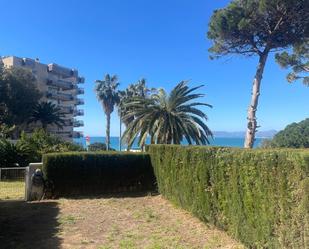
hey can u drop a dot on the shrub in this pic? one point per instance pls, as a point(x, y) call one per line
point(98, 173)
point(98, 147)
point(40, 142)
point(12, 155)
point(295, 135)
point(261, 197)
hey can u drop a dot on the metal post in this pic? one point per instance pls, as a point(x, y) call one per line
point(120, 131)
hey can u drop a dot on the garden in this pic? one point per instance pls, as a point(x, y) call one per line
point(258, 197)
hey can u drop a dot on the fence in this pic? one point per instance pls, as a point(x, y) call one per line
point(12, 183)
point(12, 174)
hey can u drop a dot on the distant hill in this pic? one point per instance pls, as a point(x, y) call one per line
point(260, 134)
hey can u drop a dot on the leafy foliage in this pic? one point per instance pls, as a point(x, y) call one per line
point(98, 173)
point(6, 131)
point(107, 94)
point(18, 95)
point(167, 118)
point(12, 155)
point(260, 196)
point(47, 113)
point(41, 142)
point(138, 89)
point(251, 26)
point(298, 61)
point(99, 147)
point(295, 135)
point(258, 27)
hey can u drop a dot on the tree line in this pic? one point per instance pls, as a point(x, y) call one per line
point(164, 117)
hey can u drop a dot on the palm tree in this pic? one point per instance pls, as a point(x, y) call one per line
point(47, 113)
point(138, 89)
point(107, 94)
point(167, 119)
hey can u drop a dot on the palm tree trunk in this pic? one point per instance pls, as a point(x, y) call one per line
point(252, 123)
point(108, 123)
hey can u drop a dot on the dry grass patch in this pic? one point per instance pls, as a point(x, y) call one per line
point(148, 222)
point(12, 190)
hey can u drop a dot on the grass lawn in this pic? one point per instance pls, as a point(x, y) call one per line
point(148, 222)
point(12, 190)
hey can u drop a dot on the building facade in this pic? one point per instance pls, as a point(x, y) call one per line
point(58, 85)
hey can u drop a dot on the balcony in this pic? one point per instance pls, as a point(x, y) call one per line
point(66, 109)
point(81, 80)
point(80, 91)
point(59, 96)
point(78, 112)
point(63, 71)
point(68, 122)
point(79, 101)
point(65, 85)
point(77, 134)
point(78, 123)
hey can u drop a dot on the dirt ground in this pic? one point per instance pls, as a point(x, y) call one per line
point(149, 222)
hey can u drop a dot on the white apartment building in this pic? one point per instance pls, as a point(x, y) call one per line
point(58, 85)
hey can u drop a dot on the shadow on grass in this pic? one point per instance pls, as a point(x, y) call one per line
point(29, 225)
point(112, 195)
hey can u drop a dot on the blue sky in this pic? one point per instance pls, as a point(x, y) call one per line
point(162, 41)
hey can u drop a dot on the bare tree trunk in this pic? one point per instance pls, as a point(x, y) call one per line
point(108, 123)
point(252, 123)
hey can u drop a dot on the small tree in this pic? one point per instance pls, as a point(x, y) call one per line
point(258, 27)
point(47, 114)
point(18, 96)
point(107, 94)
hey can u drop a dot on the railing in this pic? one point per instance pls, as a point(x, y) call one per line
point(65, 85)
point(60, 96)
point(81, 80)
point(78, 123)
point(77, 134)
point(79, 101)
point(12, 174)
point(66, 109)
point(63, 71)
point(80, 91)
point(78, 112)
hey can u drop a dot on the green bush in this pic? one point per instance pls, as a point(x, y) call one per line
point(261, 197)
point(98, 147)
point(98, 173)
point(40, 142)
point(295, 135)
point(12, 155)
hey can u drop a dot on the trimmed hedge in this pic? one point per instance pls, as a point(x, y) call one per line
point(261, 197)
point(98, 173)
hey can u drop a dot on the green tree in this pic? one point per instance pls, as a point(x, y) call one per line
point(298, 61)
point(107, 94)
point(40, 142)
point(258, 27)
point(47, 113)
point(18, 96)
point(138, 89)
point(295, 135)
point(167, 119)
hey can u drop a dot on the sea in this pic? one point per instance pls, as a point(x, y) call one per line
point(216, 141)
